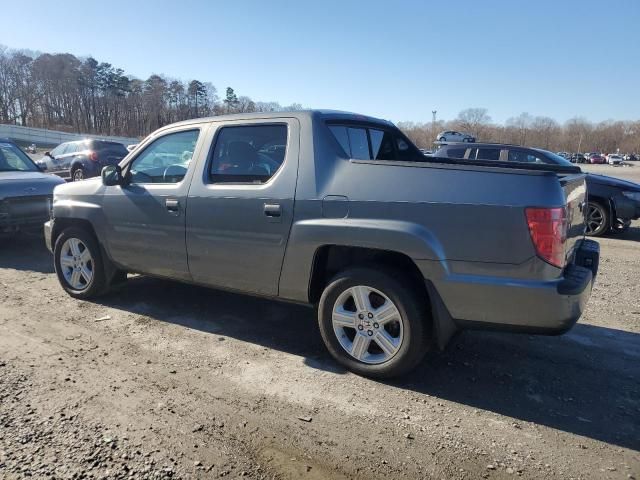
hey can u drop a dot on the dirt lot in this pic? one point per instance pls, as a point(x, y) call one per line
point(162, 380)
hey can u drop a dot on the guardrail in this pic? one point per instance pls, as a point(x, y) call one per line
point(48, 138)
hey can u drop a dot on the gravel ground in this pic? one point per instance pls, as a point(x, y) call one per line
point(163, 380)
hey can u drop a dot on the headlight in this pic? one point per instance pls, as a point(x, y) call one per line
point(632, 195)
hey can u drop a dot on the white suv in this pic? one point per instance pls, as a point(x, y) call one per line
point(451, 136)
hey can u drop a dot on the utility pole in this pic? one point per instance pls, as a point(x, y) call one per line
point(433, 123)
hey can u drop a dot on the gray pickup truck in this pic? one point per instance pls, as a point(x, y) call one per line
point(343, 212)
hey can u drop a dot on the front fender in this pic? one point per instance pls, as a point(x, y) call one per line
point(307, 236)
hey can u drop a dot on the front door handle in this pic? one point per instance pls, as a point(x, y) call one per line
point(273, 211)
point(173, 205)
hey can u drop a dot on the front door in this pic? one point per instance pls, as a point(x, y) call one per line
point(146, 217)
point(239, 212)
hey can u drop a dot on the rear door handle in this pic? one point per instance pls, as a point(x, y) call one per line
point(273, 211)
point(173, 205)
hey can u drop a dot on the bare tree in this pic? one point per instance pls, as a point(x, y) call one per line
point(473, 120)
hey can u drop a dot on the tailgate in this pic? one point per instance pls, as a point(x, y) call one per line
point(575, 195)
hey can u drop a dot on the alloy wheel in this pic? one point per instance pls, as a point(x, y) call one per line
point(596, 218)
point(367, 324)
point(76, 264)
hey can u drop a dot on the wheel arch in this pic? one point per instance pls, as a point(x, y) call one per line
point(63, 223)
point(330, 259)
point(607, 203)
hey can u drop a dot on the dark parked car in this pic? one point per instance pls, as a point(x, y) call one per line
point(578, 158)
point(25, 192)
point(82, 159)
point(341, 211)
point(612, 203)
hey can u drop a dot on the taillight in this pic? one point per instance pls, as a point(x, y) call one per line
point(93, 156)
point(548, 229)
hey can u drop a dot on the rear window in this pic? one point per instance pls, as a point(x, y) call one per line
point(370, 143)
point(111, 146)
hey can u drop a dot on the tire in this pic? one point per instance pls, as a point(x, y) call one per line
point(72, 275)
point(78, 174)
point(404, 333)
point(598, 219)
point(443, 139)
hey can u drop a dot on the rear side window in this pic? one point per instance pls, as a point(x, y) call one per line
point(381, 145)
point(488, 154)
point(248, 154)
point(456, 152)
point(367, 143)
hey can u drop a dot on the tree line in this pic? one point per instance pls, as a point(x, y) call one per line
point(67, 93)
point(83, 95)
point(575, 135)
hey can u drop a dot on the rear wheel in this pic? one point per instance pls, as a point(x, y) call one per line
point(373, 323)
point(78, 263)
point(598, 220)
point(78, 174)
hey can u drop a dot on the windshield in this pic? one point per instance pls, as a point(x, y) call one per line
point(12, 159)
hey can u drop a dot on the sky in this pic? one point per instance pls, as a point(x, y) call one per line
point(394, 59)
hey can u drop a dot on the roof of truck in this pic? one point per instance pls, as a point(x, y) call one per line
point(328, 114)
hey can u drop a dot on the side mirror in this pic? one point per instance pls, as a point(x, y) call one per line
point(47, 154)
point(111, 175)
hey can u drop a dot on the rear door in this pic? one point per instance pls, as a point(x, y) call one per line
point(240, 210)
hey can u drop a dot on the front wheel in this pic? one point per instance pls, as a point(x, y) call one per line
point(373, 323)
point(443, 139)
point(78, 263)
point(78, 174)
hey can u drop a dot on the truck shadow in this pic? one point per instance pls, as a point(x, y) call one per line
point(586, 382)
point(26, 252)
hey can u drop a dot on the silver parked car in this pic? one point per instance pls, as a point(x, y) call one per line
point(453, 136)
point(25, 192)
point(615, 159)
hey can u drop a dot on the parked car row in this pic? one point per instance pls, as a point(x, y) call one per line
point(612, 203)
point(598, 158)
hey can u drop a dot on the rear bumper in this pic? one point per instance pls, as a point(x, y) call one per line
point(545, 307)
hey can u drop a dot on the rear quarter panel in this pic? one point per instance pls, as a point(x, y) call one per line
point(450, 219)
